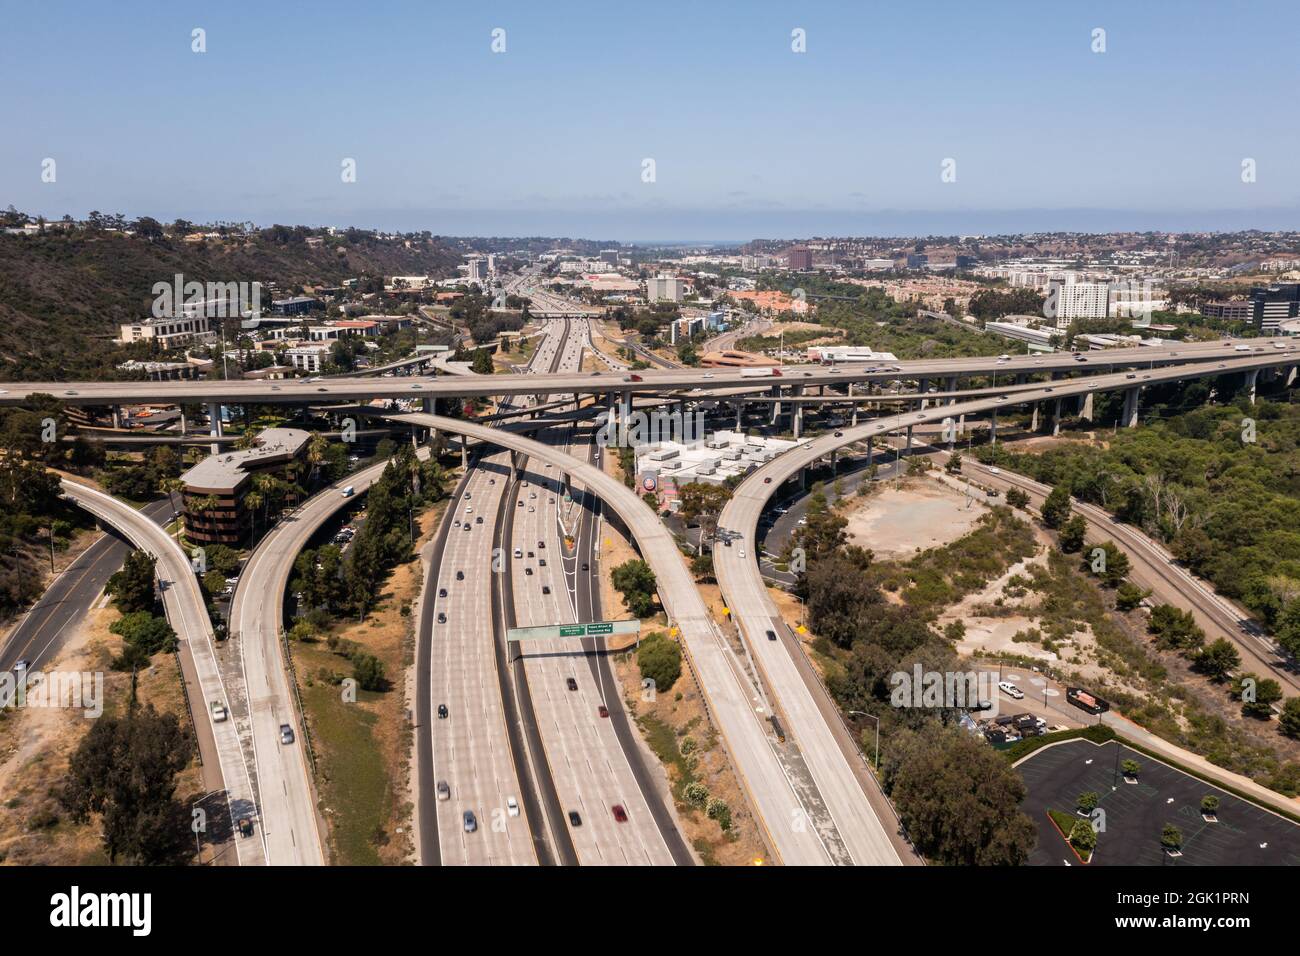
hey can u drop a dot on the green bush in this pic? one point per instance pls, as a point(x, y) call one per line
point(660, 660)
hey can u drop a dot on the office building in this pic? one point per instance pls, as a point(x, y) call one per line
point(665, 289)
point(1242, 310)
point(215, 488)
point(1274, 304)
point(799, 259)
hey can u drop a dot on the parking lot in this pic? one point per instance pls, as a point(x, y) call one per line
point(1136, 813)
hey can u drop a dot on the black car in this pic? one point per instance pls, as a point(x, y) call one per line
point(771, 635)
point(442, 617)
point(460, 575)
point(528, 571)
point(586, 566)
point(442, 592)
point(546, 589)
point(574, 818)
point(442, 711)
point(571, 683)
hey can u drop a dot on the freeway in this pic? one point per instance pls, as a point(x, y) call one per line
point(187, 613)
point(415, 387)
point(744, 734)
point(40, 634)
point(584, 750)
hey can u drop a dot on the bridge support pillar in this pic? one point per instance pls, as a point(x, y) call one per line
point(740, 407)
point(428, 404)
point(922, 387)
point(214, 424)
point(1033, 422)
point(1056, 418)
point(961, 425)
point(952, 387)
point(907, 445)
point(797, 413)
point(834, 469)
point(1131, 404)
point(183, 422)
point(117, 416)
point(464, 451)
point(1290, 376)
point(1085, 407)
point(993, 427)
point(1252, 379)
point(871, 451)
point(776, 406)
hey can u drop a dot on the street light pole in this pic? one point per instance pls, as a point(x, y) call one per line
point(863, 713)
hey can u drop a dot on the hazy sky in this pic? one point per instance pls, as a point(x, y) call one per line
point(748, 138)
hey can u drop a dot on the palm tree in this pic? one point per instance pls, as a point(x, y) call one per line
point(316, 448)
point(254, 500)
point(170, 486)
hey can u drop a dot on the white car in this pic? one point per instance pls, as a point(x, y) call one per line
point(512, 806)
point(995, 470)
point(219, 712)
point(1010, 689)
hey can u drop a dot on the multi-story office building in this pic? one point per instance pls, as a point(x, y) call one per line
point(475, 269)
point(215, 512)
point(664, 289)
point(1241, 310)
point(168, 332)
point(917, 260)
point(799, 259)
point(1274, 304)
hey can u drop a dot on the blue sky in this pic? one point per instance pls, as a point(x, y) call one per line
point(749, 138)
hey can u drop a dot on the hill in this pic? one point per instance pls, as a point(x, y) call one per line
point(63, 294)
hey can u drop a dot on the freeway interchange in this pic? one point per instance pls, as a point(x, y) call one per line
point(534, 760)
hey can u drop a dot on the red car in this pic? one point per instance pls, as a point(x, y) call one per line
point(619, 813)
point(602, 710)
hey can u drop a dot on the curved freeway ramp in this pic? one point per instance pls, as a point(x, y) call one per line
point(188, 616)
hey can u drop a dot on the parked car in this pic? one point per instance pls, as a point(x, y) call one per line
point(1010, 689)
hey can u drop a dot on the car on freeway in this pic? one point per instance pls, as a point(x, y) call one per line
point(541, 562)
point(442, 711)
point(460, 575)
point(570, 683)
point(767, 480)
point(528, 572)
point(839, 434)
point(512, 806)
point(771, 635)
point(245, 826)
point(442, 617)
point(286, 734)
point(1010, 689)
point(219, 712)
point(442, 592)
point(619, 813)
point(602, 711)
point(471, 823)
point(444, 791)
point(575, 819)
point(586, 566)
point(546, 589)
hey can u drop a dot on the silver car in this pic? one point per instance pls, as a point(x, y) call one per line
point(471, 824)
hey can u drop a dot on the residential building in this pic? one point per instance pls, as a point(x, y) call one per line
point(665, 289)
point(799, 259)
point(309, 358)
point(1067, 301)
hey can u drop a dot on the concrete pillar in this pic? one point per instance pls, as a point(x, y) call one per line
point(993, 427)
point(1290, 376)
point(961, 424)
point(1085, 407)
point(833, 468)
point(803, 479)
point(776, 406)
point(907, 446)
point(1131, 404)
point(797, 424)
point(952, 387)
point(1033, 423)
point(427, 403)
point(923, 386)
point(214, 424)
point(464, 451)
point(870, 450)
point(739, 409)
point(1056, 417)
point(117, 416)
point(1021, 378)
point(1252, 379)
point(183, 424)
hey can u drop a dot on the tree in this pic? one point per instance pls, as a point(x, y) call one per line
point(702, 567)
point(1175, 628)
point(132, 588)
point(1083, 837)
point(1017, 498)
point(1072, 534)
point(1113, 566)
point(1087, 801)
point(1171, 838)
point(1217, 659)
point(368, 670)
point(659, 659)
point(700, 503)
point(1288, 627)
point(1056, 508)
point(959, 800)
point(1289, 722)
point(1130, 767)
point(1209, 805)
point(1257, 695)
point(1129, 595)
point(125, 771)
point(482, 364)
point(953, 467)
point(636, 581)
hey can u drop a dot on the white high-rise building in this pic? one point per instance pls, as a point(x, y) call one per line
point(664, 288)
point(475, 270)
point(1067, 301)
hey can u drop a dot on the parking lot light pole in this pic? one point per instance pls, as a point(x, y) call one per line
point(863, 713)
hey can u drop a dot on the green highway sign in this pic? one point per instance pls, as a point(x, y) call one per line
point(594, 629)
